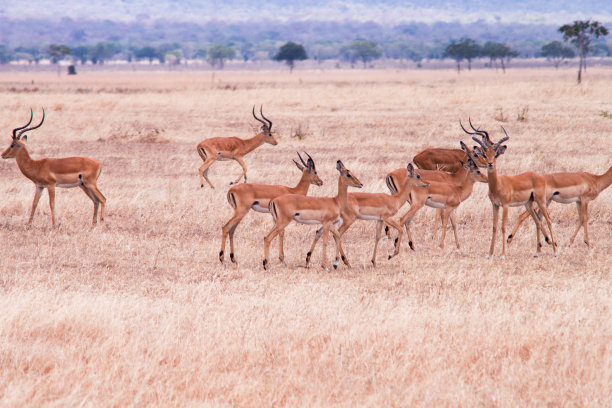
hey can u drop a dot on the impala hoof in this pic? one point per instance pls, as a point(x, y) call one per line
point(488, 256)
point(410, 245)
point(389, 257)
point(232, 257)
point(503, 257)
point(536, 255)
point(221, 256)
point(335, 265)
point(265, 264)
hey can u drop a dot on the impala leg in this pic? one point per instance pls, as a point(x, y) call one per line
point(318, 235)
point(398, 240)
point(445, 213)
point(536, 219)
point(37, 195)
point(268, 239)
point(437, 218)
point(228, 229)
point(244, 170)
point(281, 249)
point(542, 205)
point(585, 222)
point(346, 224)
point(580, 222)
point(339, 250)
point(325, 236)
point(91, 196)
point(451, 215)
point(495, 219)
point(520, 220)
point(203, 171)
point(99, 197)
point(51, 190)
point(503, 230)
point(407, 218)
point(376, 239)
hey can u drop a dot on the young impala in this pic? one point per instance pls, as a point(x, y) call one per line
point(311, 210)
point(233, 148)
point(49, 173)
point(565, 188)
point(444, 195)
point(510, 191)
point(379, 207)
point(247, 196)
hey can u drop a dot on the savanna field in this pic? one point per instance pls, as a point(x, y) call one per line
point(139, 310)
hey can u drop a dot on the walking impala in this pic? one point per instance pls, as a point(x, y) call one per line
point(565, 188)
point(311, 210)
point(49, 173)
point(233, 148)
point(379, 207)
point(510, 191)
point(446, 196)
point(245, 196)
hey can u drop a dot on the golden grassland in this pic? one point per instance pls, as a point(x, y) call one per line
point(139, 311)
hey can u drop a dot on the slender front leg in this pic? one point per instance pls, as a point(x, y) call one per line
point(580, 222)
point(37, 195)
point(203, 171)
point(520, 220)
point(376, 239)
point(451, 215)
point(228, 229)
point(437, 218)
point(495, 218)
point(318, 235)
point(445, 213)
point(325, 236)
point(536, 219)
point(407, 218)
point(51, 190)
point(542, 205)
point(503, 230)
point(244, 170)
point(281, 249)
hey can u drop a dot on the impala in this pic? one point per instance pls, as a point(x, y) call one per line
point(379, 207)
point(565, 188)
point(247, 196)
point(510, 191)
point(434, 158)
point(446, 196)
point(233, 148)
point(311, 210)
point(49, 173)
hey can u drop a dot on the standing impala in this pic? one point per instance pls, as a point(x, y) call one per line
point(247, 196)
point(565, 188)
point(311, 210)
point(446, 196)
point(49, 173)
point(233, 148)
point(379, 207)
point(510, 191)
point(435, 158)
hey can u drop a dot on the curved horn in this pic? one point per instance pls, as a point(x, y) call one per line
point(33, 127)
point(480, 132)
point(306, 153)
point(266, 119)
point(480, 143)
point(302, 160)
point(502, 140)
point(257, 117)
point(469, 133)
point(23, 127)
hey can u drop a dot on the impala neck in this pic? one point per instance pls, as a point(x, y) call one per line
point(467, 187)
point(604, 180)
point(254, 142)
point(302, 186)
point(493, 180)
point(25, 162)
point(342, 192)
point(459, 175)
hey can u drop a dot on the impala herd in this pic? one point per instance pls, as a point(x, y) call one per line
point(443, 180)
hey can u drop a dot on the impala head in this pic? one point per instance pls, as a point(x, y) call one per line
point(475, 173)
point(347, 177)
point(414, 179)
point(485, 154)
point(309, 169)
point(19, 141)
point(266, 127)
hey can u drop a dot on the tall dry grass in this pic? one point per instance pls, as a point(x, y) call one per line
point(138, 311)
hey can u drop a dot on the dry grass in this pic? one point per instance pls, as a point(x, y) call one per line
point(139, 311)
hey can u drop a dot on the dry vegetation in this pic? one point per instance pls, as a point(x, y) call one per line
point(139, 310)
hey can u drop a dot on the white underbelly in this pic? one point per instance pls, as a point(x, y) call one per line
point(433, 204)
point(260, 209)
point(303, 220)
point(518, 204)
point(223, 158)
point(562, 200)
point(68, 185)
point(368, 217)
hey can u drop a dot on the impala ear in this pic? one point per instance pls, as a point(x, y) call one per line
point(500, 151)
point(339, 166)
point(24, 138)
point(410, 170)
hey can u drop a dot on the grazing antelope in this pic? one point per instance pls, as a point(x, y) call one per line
point(311, 210)
point(49, 173)
point(434, 158)
point(444, 195)
point(565, 188)
point(509, 191)
point(247, 196)
point(233, 148)
point(379, 207)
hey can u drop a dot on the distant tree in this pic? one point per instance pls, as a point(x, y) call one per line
point(147, 52)
point(363, 50)
point(291, 52)
point(556, 52)
point(218, 53)
point(80, 53)
point(5, 56)
point(57, 52)
point(31, 54)
point(498, 51)
point(200, 53)
point(247, 51)
point(580, 34)
point(465, 48)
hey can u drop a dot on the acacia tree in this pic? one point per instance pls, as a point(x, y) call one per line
point(580, 34)
point(498, 51)
point(556, 52)
point(291, 52)
point(465, 48)
point(218, 53)
point(57, 52)
point(363, 50)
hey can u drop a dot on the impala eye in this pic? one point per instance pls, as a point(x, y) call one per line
point(349, 176)
point(418, 176)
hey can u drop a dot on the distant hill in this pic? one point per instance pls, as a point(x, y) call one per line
point(390, 11)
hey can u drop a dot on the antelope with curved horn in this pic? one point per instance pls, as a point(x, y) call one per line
point(49, 173)
point(233, 148)
point(379, 207)
point(509, 191)
point(311, 210)
point(247, 196)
